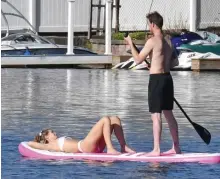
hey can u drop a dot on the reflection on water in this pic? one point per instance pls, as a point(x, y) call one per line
point(70, 101)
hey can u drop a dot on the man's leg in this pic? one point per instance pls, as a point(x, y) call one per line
point(157, 128)
point(172, 123)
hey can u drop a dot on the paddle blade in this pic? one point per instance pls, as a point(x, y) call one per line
point(203, 133)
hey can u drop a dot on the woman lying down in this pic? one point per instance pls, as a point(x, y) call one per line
point(97, 139)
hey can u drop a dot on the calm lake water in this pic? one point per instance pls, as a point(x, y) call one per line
point(71, 101)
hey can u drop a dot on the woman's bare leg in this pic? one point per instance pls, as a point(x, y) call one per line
point(117, 127)
point(101, 129)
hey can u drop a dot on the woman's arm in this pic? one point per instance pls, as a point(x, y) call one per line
point(37, 145)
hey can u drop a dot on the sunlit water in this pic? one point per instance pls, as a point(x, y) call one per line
point(71, 101)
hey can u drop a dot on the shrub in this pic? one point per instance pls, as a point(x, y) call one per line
point(118, 36)
point(133, 35)
point(138, 35)
point(88, 45)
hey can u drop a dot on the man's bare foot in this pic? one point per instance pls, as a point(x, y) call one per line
point(172, 151)
point(169, 152)
point(152, 154)
point(112, 151)
point(127, 149)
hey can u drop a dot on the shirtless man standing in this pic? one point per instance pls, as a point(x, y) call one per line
point(160, 89)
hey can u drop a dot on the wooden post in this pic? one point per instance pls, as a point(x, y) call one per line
point(117, 16)
point(90, 20)
point(99, 17)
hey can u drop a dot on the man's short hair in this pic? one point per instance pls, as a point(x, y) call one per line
point(155, 18)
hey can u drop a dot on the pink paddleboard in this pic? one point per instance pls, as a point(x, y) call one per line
point(27, 151)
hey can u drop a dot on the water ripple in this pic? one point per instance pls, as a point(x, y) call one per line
point(71, 101)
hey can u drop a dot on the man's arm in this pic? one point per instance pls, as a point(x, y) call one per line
point(140, 57)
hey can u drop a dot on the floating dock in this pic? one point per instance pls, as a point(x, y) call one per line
point(58, 61)
point(61, 61)
point(90, 61)
point(205, 64)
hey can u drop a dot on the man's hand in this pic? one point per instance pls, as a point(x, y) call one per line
point(147, 64)
point(128, 40)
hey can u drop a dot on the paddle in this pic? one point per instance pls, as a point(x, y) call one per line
point(203, 133)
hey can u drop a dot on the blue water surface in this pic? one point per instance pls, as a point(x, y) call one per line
point(71, 101)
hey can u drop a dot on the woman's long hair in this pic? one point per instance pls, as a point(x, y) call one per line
point(40, 138)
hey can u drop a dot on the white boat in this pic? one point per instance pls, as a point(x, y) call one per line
point(184, 61)
point(28, 42)
point(202, 48)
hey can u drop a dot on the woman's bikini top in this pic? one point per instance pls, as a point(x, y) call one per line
point(61, 142)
